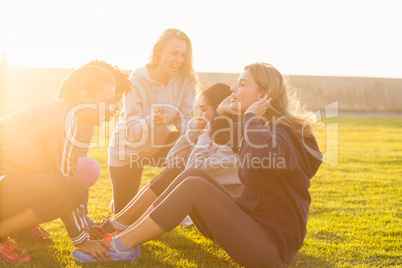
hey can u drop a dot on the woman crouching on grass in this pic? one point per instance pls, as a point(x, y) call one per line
point(266, 225)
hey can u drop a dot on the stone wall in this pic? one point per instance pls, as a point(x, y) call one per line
point(355, 94)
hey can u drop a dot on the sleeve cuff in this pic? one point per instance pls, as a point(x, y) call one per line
point(80, 238)
point(203, 140)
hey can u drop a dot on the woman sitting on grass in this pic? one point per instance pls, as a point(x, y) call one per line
point(279, 155)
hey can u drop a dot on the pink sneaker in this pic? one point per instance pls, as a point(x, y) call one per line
point(9, 255)
point(12, 244)
point(36, 234)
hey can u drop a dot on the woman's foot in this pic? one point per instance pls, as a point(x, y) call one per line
point(127, 254)
point(111, 226)
point(126, 257)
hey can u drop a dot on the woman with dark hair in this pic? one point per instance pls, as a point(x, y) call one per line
point(196, 148)
point(279, 155)
point(163, 95)
point(38, 158)
point(88, 170)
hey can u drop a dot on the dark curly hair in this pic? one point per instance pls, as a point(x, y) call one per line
point(123, 84)
point(88, 79)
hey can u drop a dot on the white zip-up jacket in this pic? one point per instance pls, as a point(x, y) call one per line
point(132, 134)
point(195, 151)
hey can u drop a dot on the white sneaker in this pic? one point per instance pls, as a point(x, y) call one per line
point(186, 222)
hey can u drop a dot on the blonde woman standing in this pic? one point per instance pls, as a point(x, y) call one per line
point(163, 95)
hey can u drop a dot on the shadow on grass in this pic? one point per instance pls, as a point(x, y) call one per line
point(304, 260)
point(195, 253)
point(175, 249)
point(42, 256)
point(137, 263)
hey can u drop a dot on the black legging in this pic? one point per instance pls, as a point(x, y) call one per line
point(126, 180)
point(49, 196)
point(161, 182)
point(217, 216)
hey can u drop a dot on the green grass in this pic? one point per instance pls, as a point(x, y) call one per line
point(355, 217)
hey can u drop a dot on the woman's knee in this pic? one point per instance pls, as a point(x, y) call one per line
point(194, 172)
point(159, 184)
point(88, 171)
point(196, 185)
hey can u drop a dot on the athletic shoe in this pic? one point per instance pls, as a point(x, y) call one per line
point(128, 257)
point(13, 245)
point(186, 222)
point(23, 258)
point(41, 236)
point(108, 226)
point(108, 237)
point(36, 234)
point(9, 255)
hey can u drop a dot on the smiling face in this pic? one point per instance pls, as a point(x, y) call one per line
point(172, 57)
point(245, 92)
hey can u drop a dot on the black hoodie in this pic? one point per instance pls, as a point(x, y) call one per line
point(276, 166)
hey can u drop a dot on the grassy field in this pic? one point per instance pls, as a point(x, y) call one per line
point(355, 218)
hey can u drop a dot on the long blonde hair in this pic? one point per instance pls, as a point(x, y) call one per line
point(187, 69)
point(285, 103)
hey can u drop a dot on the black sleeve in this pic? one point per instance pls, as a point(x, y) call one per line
point(268, 142)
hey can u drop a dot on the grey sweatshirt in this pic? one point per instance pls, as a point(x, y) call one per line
point(132, 133)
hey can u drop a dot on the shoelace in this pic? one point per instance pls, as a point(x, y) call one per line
point(105, 221)
point(108, 236)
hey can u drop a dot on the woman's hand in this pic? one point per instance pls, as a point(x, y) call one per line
point(224, 108)
point(156, 119)
point(259, 107)
point(97, 249)
point(96, 232)
point(207, 130)
point(200, 124)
